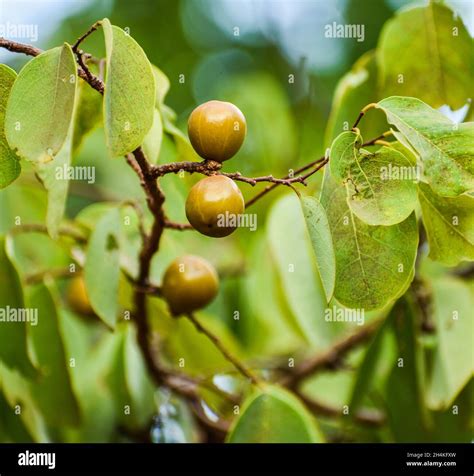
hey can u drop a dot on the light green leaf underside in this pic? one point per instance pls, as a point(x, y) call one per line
point(40, 106)
point(129, 96)
point(423, 52)
point(53, 390)
point(274, 416)
point(102, 270)
point(162, 85)
point(381, 185)
point(446, 149)
point(449, 225)
point(373, 263)
point(297, 269)
point(453, 304)
point(152, 142)
point(321, 239)
point(13, 348)
point(54, 175)
point(10, 167)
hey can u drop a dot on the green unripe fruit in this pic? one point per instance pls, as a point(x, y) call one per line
point(211, 203)
point(190, 283)
point(217, 130)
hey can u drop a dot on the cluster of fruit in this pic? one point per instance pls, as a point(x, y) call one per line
point(216, 130)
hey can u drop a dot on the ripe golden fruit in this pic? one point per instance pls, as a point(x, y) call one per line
point(212, 203)
point(189, 283)
point(217, 130)
point(77, 297)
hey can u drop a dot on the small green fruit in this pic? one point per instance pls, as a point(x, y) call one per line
point(190, 283)
point(217, 130)
point(210, 204)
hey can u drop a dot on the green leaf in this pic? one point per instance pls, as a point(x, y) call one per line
point(10, 167)
point(296, 264)
point(449, 225)
point(129, 96)
point(13, 348)
point(88, 115)
point(40, 106)
point(408, 416)
point(446, 149)
point(424, 52)
point(183, 146)
point(162, 85)
point(102, 270)
point(453, 302)
point(274, 415)
point(56, 183)
point(53, 390)
point(321, 239)
point(152, 142)
point(368, 368)
point(355, 90)
point(381, 185)
point(373, 263)
point(140, 386)
point(12, 428)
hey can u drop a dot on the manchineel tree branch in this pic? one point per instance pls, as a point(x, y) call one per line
point(330, 357)
point(148, 175)
point(247, 373)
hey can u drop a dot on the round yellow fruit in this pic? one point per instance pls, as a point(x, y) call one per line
point(190, 283)
point(217, 130)
point(77, 296)
point(214, 205)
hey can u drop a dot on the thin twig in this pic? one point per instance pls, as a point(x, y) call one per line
point(365, 416)
point(93, 28)
point(330, 357)
point(232, 359)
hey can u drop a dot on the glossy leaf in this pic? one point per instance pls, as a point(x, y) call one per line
point(321, 239)
point(422, 52)
point(13, 348)
point(53, 389)
point(10, 167)
point(274, 415)
point(449, 225)
point(373, 263)
point(380, 185)
point(453, 302)
point(129, 97)
point(102, 270)
point(446, 149)
point(40, 106)
point(297, 269)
